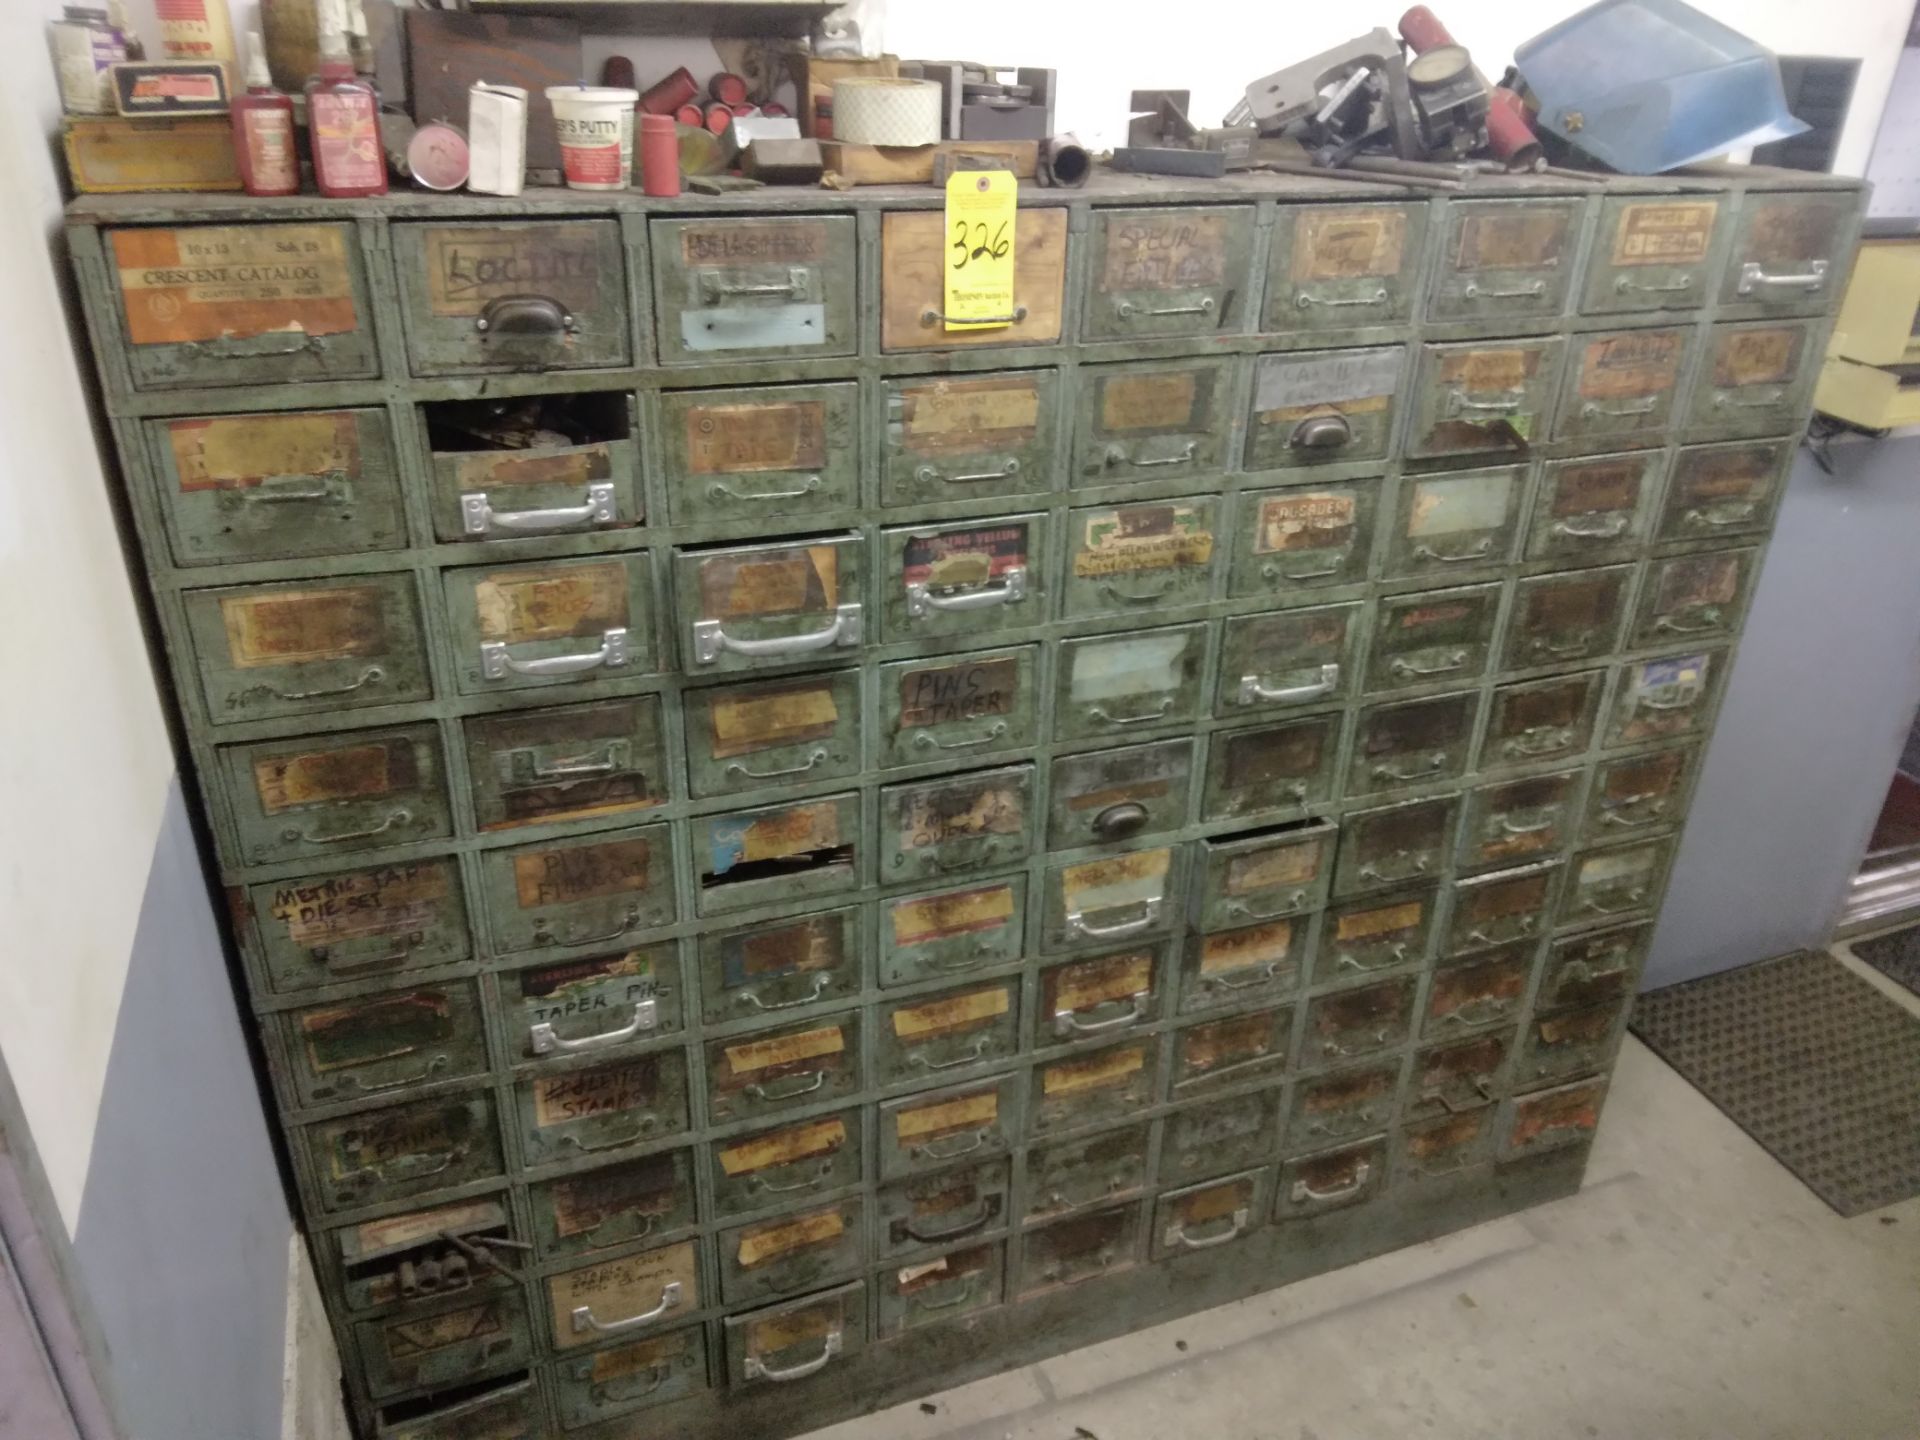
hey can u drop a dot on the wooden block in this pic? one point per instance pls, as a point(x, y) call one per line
point(914, 164)
point(447, 51)
point(111, 155)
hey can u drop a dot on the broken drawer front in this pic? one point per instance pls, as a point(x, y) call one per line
point(1594, 508)
point(639, 1292)
point(417, 1348)
point(1271, 769)
point(1344, 267)
point(970, 437)
point(932, 829)
point(270, 487)
point(963, 703)
point(1570, 1042)
point(1549, 1119)
point(422, 1256)
point(613, 1205)
point(1513, 821)
point(509, 1407)
point(1153, 420)
point(553, 622)
point(600, 1002)
point(1460, 1075)
point(1558, 619)
point(1329, 407)
point(1331, 1179)
point(748, 289)
point(353, 925)
point(760, 451)
point(352, 1049)
point(544, 465)
point(926, 1037)
point(568, 762)
point(1066, 1175)
point(1164, 271)
point(565, 1114)
point(1789, 251)
point(1486, 990)
point(1448, 523)
point(1101, 995)
point(1505, 259)
point(1110, 898)
point(595, 891)
point(1264, 876)
point(1666, 696)
point(1212, 1054)
point(1396, 845)
point(979, 1120)
point(1434, 637)
point(336, 794)
point(1433, 1149)
point(1351, 1023)
point(778, 967)
point(1620, 882)
point(1695, 596)
point(804, 1062)
point(1111, 795)
point(308, 647)
point(792, 1252)
point(939, 934)
point(1637, 793)
point(1486, 398)
point(949, 1287)
point(1289, 658)
point(786, 1164)
point(1600, 967)
point(634, 1375)
point(1376, 935)
point(1753, 380)
point(1541, 721)
point(1655, 254)
point(1623, 383)
point(1203, 1216)
point(1104, 684)
point(975, 578)
point(1094, 1087)
point(513, 295)
point(1083, 1247)
point(1215, 1136)
point(1412, 742)
point(779, 853)
point(1310, 536)
point(378, 1156)
point(1134, 559)
point(943, 1208)
point(242, 305)
point(914, 251)
point(747, 607)
point(772, 732)
point(1724, 490)
point(798, 1339)
point(1342, 1105)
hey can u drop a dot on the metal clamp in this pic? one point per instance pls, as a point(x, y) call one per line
point(395, 819)
point(1753, 275)
point(1127, 310)
point(1612, 527)
point(1011, 590)
point(1068, 1022)
point(586, 1323)
point(710, 639)
point(542, 1039)
point(1479, 550)
point(927, 475)
point(814, 757)
point(496, 662)
point(1303, 1192)
point(1252, 692)
point(1305, 301)
point(931, 316)
point(1177, 1232)
point(1405, 668)
point(1149, 916)
point(756, 1369)
point(478, 517)
point(714, 287)
point(1116, 455)
point(720, 490)
point(924, 741)
point(821, 983)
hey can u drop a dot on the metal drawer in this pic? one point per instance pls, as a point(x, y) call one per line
point(1309, 536)
point(378, 1156)
point(532, 466)
point(1487, 990)
point(1619, 882)
point(939, 934)
point(1333, 407)
point(798, 1339)
point(589, 1109)
point(1600, 967)
point(1412, 743)
point(1666, 696)
point(354, 925)
point(568, 762)
point(1099, 995)
point(1265, 875)
point(1109, 898)
point(634, 1375)
point(1505, 259)
point(1512, 821)
point(1753, 380)
point(750, 288)
point(1111, 795)
point(1435, 1149)
point(933, 830)
point(1653, 254)
point(1571, 1042)
point(1165, 272)
point(949, 1287)
point(1214, 1136)
point(1137, 558)
point(1337, 267)
point(1559, 619)
point(1375, 936)
point(751, 606)
point(1594, 508)
point(779, 852)
point(803, 1062)
point(1502, 906)
point(772, 732)
point(970, 437)
point(1487, 397)
point(1094, 1087)
point(1724, 490)
point(1288, 658)
point(614, 1205)
point(913, 258)
point(766, 971)
point(620, 1297)
point(595, 891)
point(1084, 1247)
point(785, 1164)
point(1203, 1216)
point(930, 1036)
point(1331, 1180)
point(1152, 420)
point(418, 1348)
point(1271, 770)
point(420, 1256)
point(798, 1251)
point(1341, 1105)
point(940, 1209)
point(1695, 597)
point(1105, 684)
point(1540, 721)
point(353, 1049)
point(337, 794)
point(1550, 1119)
point(1636, 793)
point(1622, 385)
point(1234, 1049)
point(1789, 251)
point(967, 579)
point(974, 1121)
point(1067, 1175)
point(1444, 524)
point(554, 622)
point(1350, 1023)
point(1460, 1075)
point(1434, 637)
point(1395, 845)
point(964, 704)
point(760, 451)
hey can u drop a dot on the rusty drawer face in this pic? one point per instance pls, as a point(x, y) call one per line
point(618, 1297)
point(804, 1062)
point(1666, 696)
point(1412, 742)
point(927, 1037)
point(513, 295)
point(1695, 597)
point(635, 1375)
point(1622, 384)
point(941, 934)
point(1152, 420)
point(1724, 490)
point(1501, 907)
point(1448, 523)
point(269, 487)
point(1460, 1075)
point(766, 1259)
point(753, 289)
point(242, 305)
point(1343, 267)
point(1164, 272)
point(1215, 1136)
point(1288, 658)
point(955, 825)
point(509, 1408)
point(798, 1339)
point(1484, 991)
point(597, 1003)
point(1434, 1149)
point(1396, 845)
point(1332, 407)
point(1753, 380)
point(1099, 995)
point(1636, 793)
point(940, 1209)
point(354, 1049)
point(1066, 1175)
point(780, 852)
point(1513, 821)
point(785, 1164)
point(1539, 721)
point(357, 924)
point(1616, 883)
point(1559, 619)
point(1084, 1247)
point(1350, 1023)
point(966, 704)
point(1505, 259)
point(421, 1256)
point(615, 1205)
point(1571, 1042)
point(1111, 795)
point(1549, 1119)
point(772, 969)
point(1236, 967)
point(307, 647)
point(1104, 685)
point(1094, 1087)
point(1271, 770)
point(336, 794)
point(946, 1288)
point(1598, 968)
point(570, 762)
point(1284, 540)
point(1112, 898)
point(1330, 1180)
point(978, 1120)
point(772, 732)
point(610, 1105)
point(970, 437)
point(752, 606)
point(1434, 637)
point(1655, 254)
point(1489, 397)
point(760, 451)
point(1341, 1105)
point(418, 1348)
point(554, 622)
point(1134, 559)
point(975, 578)
point(1594, 508)
point(1265, 875)
point(379, 1156)
point(540, 465)
point(1249, 1045)
point(1376, 935)
point(1789, 251)
point(595, 891)
point(914, 250)
point(1203, 1216)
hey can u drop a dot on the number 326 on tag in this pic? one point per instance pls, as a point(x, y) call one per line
point(981, 212)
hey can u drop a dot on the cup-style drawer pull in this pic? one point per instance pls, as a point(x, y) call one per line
point(531, 316)
point(1105, 716)
point(372, 675)
point(1454, 660)
point(1305, 300)
point(1292, 901)
point(544, 934)
point(719, 490)
point(1711, 618)
point(1237, 1224)
point(1479, 550)
point(1527, 291)
point(1395, 954)
point(1127, 310)
point(931, 316)
point(1302, 1192)
point(1321, 432)
point(1068, 1022)
point(395, 820)
point(1624, 283)
point(1149, 916)
point(1252, 692)
point(927, 475)
point(1011, 590)
point(478, 517)
point(291, 490)
point(922, 740)
point(710, 639)
point(754, 1368)
point(543, 1040)
point(715, 286)
point(735, 768)
point(1118, 455)
point(1754, 275)
point(808, 1083)
point(496, 662)
point(982, 1216)
point(821, 983)
point(972, 1055)
point(585, 1322)
point(1431, 766)
point(1721, 515)
point(1639, 407)
point(1608, 527)
point(1117, 822)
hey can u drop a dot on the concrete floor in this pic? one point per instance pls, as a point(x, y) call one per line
point(1693, 1288)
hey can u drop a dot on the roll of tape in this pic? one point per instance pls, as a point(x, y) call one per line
point(872, 110)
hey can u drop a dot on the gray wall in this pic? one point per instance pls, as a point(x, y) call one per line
point(1816, 713)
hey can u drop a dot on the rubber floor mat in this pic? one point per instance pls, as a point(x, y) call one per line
point(1896, 956)
point(1811, 1061)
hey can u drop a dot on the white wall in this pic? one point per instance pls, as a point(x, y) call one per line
point(1214, 47)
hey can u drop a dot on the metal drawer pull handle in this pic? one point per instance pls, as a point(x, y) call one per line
point(626, 1136)
point(710, 639)
point(1632, 898)
point(1684, 701)
point(531, 315)
point(719, 490)
point(1435, 763)
point(1737, 514)
point(1722, 400)
point(1482, 1010)
point(1011, 590)
point(972, 959)
point(1606, 529)
point(824, 1172)
point(1578, 645)
point(1361, 1174)
point(931, 316)
point(1509, 827)
point(496, 663)
point(933, 1150)
point(1753, 274)
point(812, 1081)
point(817, 757)
point(411, 1167)
point(578, 766)
point(1107, 717)
point(982, 1217)
point(1270, 571)
point(543, 1040)
point(1473, 291)
point(424, 1073)
point(1396, 954)
point(280, 489)
point(1404, 668)
point(971, 857)
point(631, 1225)
point(393, 821)
point(1259, 977)
point(1177, 1233)
point(1623, 283)
point(1240, 910)
point(969, 1287)
point(1304, 300)
point(1126, 309)
point(1167, 586)
point(1372, 1041)
point(756, 1369)
point(1617, 814)
point(1149, 916)
point(586, 1323)
point(1420, 865)
point(1539, 740)
point(1584, 974)
point(1068, 1022)
point(478, 517)
point(1252, 692)
point(1643, 407)
point(923, 741)
point(821, 982)
point(978, 1052)
point(286, 342)
point(1711, 618)
point(399, 955)
point(1477, 551)
point(629, 920)
point(1117, 456)
point(372, 675)
point(602, 1393)
point(1509, 406)
point(713, 287)
point(927, 475)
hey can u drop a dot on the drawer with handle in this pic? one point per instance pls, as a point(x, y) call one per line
point(1459, 1075)
point(624, 1296)
point(353, 1049)
point(975, 578)
point(798, 1339)
point(931, 1036)
point(941, 934)
point(1164, 272)
point(336, 794)
point(1271, 770)
point(1331, 1179)
point(1410, 743)
point(1105, 796)
point(633, 1375)
point(1376, 935)
point(1289, 658)
point(1789, 252)
point(378, 1156)
point(1333, 407)
point(651, 1198)
point(1110, 898)
point(1153, 420)
point(1490, 397)
point(1599, 967)
point(1204, 1216)
point(1665, 696)
point(1134, 559)
point(1513, 821)
point(1540, 721)
point(943, 1208)
point(914, 252)
point(1100, 996)
point(507, 469)
point(1488, 989)
point(1559, 619)
point(1594, 508)
point(786, 1164)
point(1067, 1175)
point(797, 1251)
point(970, 437)
point(1350, 1023)
point(931, 830)
point(354, 925)
point(1434, 637)
point(753, 287)
point(789, 731)
point(1232, 1050)
point(948, 1287)
point(774, 969)
point(1111, 685)
point(1505, 259)
point(1724, 489)
point(567, 1112)
point(1502, 906)
point(565, 762)
point(972, 1121)
point(554, 622)
point(778, 852)
point(1653, 254)
point(1344, 267)
point(1265, 875)
point(469, 1247)
point(1214, 1136)
point(804, 1062)
point(1446, 524)
point(752, 606)
point(1307, 537)
point(420, 1348)
point(1635, 793)
point(1622, 385)
point(953, 707)
point(759, 451)
point(598, 890)
point(596, 1003)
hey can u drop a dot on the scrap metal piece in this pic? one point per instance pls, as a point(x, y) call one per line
point(1275, 101)
point(1063, 161)
point(1170, 160)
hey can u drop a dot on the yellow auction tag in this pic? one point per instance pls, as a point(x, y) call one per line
point(979, 269)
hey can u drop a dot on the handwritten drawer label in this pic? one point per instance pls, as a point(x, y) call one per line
point(591, 1094)
point(1106, 1071)
point(759, 1244)
point(1228, 952)
point(952, 694)
point(1091, 983)
point(777, 582)
point(1332, 244)
point(1138, 403)
point(1175, 250)
point(750, 1057)
point(946, 1117)
point(582, 872)
point(332, 777)
point(390, 900)
point(583, 1203)
point(469, 266)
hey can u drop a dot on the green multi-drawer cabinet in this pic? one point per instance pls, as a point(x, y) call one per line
point(786, 856)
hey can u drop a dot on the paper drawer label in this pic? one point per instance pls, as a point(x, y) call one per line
point(390, 900)
point(1170, 400)
point(1091, 983)
point(1652, 233)
point(749, 1057)
point(1144, 538)
point(589, 1094)
point(944, 1117)
point(236, 453)
point(300, 627)
point(581, 872)
point(1229, 951)
point(746, 721)
point(798, 830)
point(969, 416)
point(740, 439)
point(952, 1014)
point(783, 1147)
point(790, 242)
point(776, 1241)
point(774, 582)
point(331, 777)
point(1173, 250)
point(468, 266)
point(1335, 244)
point(561, 603)
point(1106, 1071)
point(961, 912)
point(234, 282)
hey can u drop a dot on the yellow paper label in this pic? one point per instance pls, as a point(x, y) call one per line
point(1234, 950)
point(783, 1147)
point(1099, 982)
point(751, 1055)
point(969, 1112)
point(957, 1012)
point(1115, 1067)
point(941, 917)
point(762, 1243)
point(981, 219)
